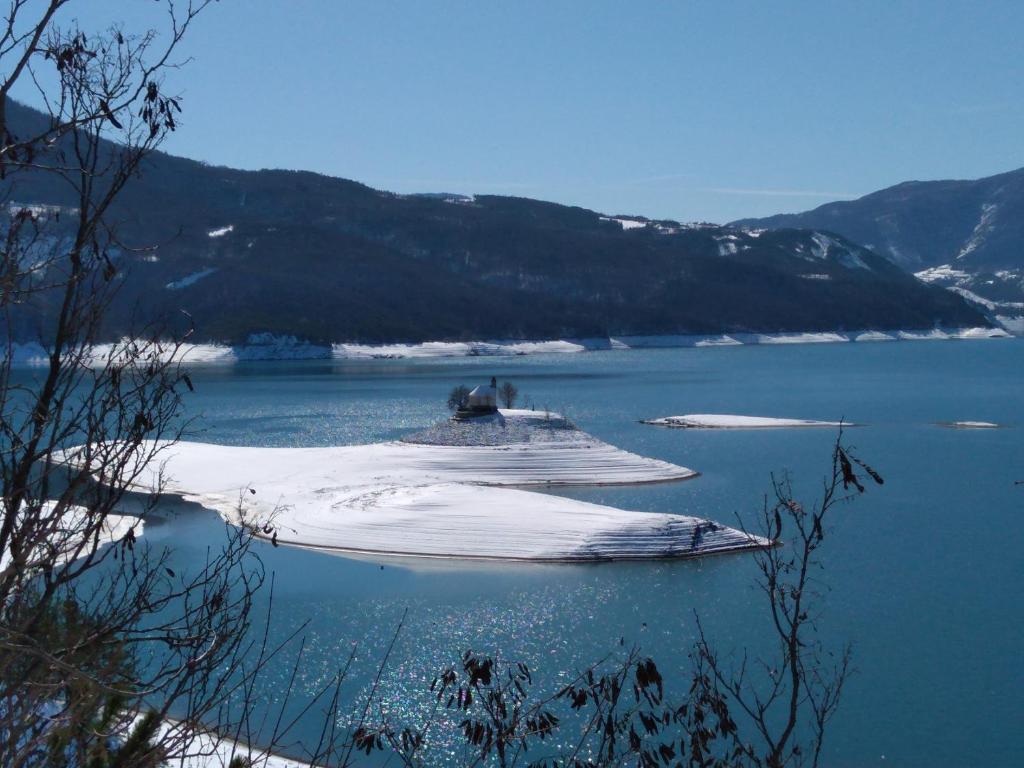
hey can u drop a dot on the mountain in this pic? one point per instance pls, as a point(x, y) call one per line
point(331, 260)
point(964, 235)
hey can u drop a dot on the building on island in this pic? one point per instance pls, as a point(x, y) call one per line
point(482, 400)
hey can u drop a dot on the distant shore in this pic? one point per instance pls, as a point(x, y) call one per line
point(272, 347)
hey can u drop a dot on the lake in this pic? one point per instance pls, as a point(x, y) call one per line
point(926, 572)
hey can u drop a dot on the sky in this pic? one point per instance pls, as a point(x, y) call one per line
point(696, 111)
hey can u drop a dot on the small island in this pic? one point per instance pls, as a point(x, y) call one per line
point(730, 421)
point(463, 488)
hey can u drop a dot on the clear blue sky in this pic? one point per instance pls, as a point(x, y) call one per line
point(688, 110)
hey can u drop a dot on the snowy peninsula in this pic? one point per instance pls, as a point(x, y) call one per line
point(453, 491)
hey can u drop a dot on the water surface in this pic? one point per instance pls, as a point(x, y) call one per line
point(925, 573)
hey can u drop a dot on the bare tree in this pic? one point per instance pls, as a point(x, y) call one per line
point(789, 697)
point(458, 397)
point(100, 640)
point(508, 394)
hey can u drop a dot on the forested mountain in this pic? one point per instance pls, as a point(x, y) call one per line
point(966, 235)
point(331, 260)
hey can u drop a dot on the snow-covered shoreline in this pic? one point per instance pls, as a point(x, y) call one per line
point(270, 347)
point(464, 500)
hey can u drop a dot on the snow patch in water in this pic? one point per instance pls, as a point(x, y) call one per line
point(732, 421)
point(969, 424)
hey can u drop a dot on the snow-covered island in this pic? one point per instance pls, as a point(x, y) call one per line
point(731, 421)
point(968, 424)
point(456, 490)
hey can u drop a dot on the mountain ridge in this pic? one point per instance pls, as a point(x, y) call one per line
point(965, 235)
point(332, 260)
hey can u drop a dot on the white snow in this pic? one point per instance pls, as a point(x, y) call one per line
point(816, 277)
point(790, 338)
point(731, 421)
point(943, 272)
point(221, 231)
point(266, 346)
point(824, 245)
point(448, 500)
point(209, 750)
point(932, 335)
point(969, 424)
point(973, 297)
point(463, 348)
point(68, 534)
point(41, 211)
point(1012, 323)
point(981, 229)
point(872, 336)
point(979, 333)
point(627, 223)
point(188, 280)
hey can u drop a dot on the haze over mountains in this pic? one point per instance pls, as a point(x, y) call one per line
point(331, 260)
point(964, 235)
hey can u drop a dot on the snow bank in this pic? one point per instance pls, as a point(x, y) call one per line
point(980, 333)
point(462, 500)
point(872, 336)
point(939, 334)
point(730, 421)
point(465, 348)
point(790, 338)
point(969, 424)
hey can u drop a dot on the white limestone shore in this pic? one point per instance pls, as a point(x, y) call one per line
point(732, 421)
point(469, 500)
point(266, 346)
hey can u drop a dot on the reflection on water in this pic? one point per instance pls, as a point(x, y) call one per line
point(925, 572)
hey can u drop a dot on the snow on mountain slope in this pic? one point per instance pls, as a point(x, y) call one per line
point(1006, 312)
point(965, 235)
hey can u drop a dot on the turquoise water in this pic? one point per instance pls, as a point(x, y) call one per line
point(925, 573)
